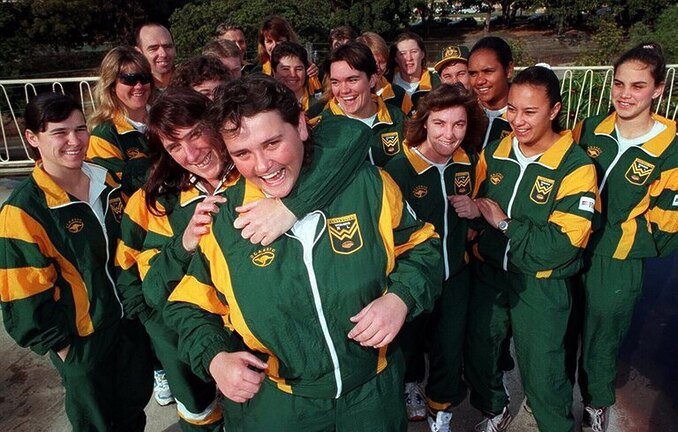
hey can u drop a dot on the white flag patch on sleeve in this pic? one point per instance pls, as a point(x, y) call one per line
point(587, 204)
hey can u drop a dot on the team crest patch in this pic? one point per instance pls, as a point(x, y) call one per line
point(390, 142)
point(75, 225)
point(345, 234)
point(263, 257)
point(541, 190)
point(496, 178)
point(420, 191)
point(639, 171)
point(462, 183)
point(135, 153)
point(594, 151)
point(116, 207)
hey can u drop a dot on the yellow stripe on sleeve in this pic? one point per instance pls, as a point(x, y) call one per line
point(481, 173)
point(579, 181)
point(577, 228)
point(125, 256)
point(24, 282)
point(144, 260)
point(99, 147)
point(29, 230)
point(191, 290)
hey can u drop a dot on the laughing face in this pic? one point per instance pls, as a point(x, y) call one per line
point(63, 144)
point(268, 151)
point(292, 72)
point(197, 150)
point(531, 115)
point(351, 89)
point(133, 97)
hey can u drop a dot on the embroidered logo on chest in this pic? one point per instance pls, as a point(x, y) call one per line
point(75, 225)
point(345, 234)
point(593, 151)
point(639, 171)
point(390, 142)
point(496, 178)
point(263, 257)
point(541, 190)
point(462, 183)
point(116, 206)
point(419, 191)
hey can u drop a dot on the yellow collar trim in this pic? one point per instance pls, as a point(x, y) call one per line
point(383, 116)
point(656, 146)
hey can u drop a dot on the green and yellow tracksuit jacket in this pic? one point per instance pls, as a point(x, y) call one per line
point(117, 146)
point(148, 239)
point(56, 282)
point(387, 131)
point(638, 188)
point(429, 81)
point(426, 189)
point(292, 301)
point(151, 250)
point(497, 130)
point(551, 205)
point(394, 95)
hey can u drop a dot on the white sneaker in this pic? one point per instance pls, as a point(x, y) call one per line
point(415, 402)
point(497, 423)
point(441, 423)
point(596, 418)
point(161, 389)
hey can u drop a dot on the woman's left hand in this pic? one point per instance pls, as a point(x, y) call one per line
point(491, 211)
point(264, 220)
point(312, 70)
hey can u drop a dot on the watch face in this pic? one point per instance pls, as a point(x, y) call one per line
point(502, 225)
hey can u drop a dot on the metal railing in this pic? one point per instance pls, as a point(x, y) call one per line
point(585, 90)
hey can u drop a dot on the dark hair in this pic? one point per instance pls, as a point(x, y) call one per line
point(137, 32)
point(442, 97)
point(176, 107)
point(252, 95)
point(357, 55)
point(288, 49)
point(392, 64)
point(651, 55)
point(228, 26)
point(47, 108)
point(497, 45)
point(276, 28)
point(199, 69)
point(341, 33)
point(539, 76)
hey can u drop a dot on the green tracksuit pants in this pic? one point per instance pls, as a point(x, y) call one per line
point(605, 294)
point(538, 311)
point(108, 379)
point(441, 335)
point(376, 406)
point(197, 406)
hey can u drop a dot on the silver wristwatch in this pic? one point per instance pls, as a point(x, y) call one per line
point(503, 225)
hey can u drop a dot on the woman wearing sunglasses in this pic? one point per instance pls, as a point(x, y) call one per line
point(117, 142)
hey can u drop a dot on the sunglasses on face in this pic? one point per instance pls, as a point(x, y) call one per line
point(131, 79)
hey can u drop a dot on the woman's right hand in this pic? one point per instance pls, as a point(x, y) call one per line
point(198, 226)
point(238, 375)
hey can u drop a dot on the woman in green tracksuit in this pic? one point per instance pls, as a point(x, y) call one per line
point(436, 175)
point(636, 156)
point(117, 142)
point(321, 304)
point(164, 221)
point(536, 189)
point(58, 232)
